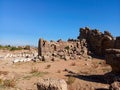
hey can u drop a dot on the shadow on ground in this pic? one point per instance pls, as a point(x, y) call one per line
point(90, 78)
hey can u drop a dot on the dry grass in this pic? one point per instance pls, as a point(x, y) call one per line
point(35, 73)
point(70, 80)
point(9, 83)
point(34, 70)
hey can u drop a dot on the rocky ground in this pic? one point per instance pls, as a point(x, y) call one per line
point(81, 74)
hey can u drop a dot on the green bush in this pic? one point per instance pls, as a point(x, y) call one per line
point(27, 47)
point(67, 48)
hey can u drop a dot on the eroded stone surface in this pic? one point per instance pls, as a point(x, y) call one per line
point(52, 84)
point(113, 59)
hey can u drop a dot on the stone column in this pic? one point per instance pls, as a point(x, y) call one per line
point(40, 43)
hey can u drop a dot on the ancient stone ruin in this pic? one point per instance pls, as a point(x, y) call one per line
point(71, 49)
point(113, 59)
point(89, 41)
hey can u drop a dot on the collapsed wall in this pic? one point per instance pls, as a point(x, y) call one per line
point(97, 41)
point(89, 40)
point(71, 49)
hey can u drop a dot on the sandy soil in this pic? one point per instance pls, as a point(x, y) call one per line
point(86, 74)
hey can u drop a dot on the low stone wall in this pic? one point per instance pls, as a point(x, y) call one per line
point(113, 59)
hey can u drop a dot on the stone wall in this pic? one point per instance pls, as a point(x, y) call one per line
point(117, 43)
point(113, 59)
point(97, 41)
point(89, 40)
point(71, 49)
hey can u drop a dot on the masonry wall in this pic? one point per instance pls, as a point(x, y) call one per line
point(70, 49)
point(88, 40)
point(97, 41)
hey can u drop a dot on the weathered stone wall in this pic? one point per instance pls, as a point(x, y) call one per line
point(97, 41)
point(71, 49)
point(117, 43)
point(113, 59)
point(88, 40)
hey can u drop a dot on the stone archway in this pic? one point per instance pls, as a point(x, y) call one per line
point(106, 42)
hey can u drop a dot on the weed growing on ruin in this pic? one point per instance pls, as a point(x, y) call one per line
point(35, 74)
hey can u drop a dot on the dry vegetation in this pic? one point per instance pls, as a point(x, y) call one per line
point(24, 75)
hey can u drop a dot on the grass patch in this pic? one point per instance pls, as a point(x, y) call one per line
point(70, 80)
point(39, 74)
point(35, 74)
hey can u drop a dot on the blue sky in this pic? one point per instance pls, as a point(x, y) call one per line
point(25, 21)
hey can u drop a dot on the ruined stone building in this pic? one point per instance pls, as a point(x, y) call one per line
point(97, 41)
point(88, 41)
point(70, 49)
